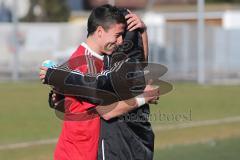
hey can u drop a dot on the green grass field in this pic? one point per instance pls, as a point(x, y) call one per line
point(26, 117)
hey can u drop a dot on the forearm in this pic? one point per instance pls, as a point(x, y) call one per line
point(145, 43)
point(59, 78)
point(84, 87)
point(117, 109)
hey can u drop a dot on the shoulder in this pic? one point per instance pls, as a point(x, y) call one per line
point(78, 58)
point(80, 51)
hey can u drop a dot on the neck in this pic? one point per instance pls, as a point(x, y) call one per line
point(93, 45)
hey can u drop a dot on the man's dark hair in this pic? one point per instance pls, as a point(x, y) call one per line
point(104, 16)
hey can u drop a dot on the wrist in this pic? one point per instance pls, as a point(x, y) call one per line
point(143, 29)
point(140, 100)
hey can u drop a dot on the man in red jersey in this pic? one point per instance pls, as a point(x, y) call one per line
point(79, 139)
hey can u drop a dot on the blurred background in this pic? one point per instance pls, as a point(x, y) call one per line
point(197, 40)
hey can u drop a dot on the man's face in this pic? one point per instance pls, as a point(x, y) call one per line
point(112, 38)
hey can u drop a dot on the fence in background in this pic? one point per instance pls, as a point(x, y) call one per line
point(172, 45)
point(178, 51)
point(37, 42)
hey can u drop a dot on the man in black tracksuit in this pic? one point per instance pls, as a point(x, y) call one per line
point(130, 136)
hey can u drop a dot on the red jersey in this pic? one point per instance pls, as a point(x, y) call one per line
point(79, 139)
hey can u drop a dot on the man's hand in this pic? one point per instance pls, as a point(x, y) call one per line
point(134, 22)
point(42, 73)
point(151, 94)
point(56, 101)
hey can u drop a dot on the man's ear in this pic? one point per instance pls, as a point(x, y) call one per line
point(99, 31)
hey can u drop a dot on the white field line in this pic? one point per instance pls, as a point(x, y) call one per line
point(210, 141)
point(156, 128)
point(196, 124)
point(28, 144)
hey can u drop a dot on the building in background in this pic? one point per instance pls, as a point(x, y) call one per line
point(136, 4)
point(77, 5)
point(23, 6)
point(5, 13)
